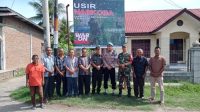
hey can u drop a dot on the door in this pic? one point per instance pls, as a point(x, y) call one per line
point(143, 44)
point(176, 50)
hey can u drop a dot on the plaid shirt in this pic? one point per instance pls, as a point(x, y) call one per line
point(59, 63)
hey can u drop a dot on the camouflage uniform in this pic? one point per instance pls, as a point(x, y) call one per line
point(124, 73)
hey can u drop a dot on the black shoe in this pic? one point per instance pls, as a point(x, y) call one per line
point(129, 95)
point(120, 95)
point(105, 93)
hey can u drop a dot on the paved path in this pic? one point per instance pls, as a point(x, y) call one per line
point(8, 105)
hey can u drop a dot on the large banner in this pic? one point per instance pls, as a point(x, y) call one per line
point(97, 22)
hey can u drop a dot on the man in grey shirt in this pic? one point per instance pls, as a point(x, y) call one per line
point(48, 62)
point(109, 61)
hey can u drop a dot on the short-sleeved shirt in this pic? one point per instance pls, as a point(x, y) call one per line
point(48, 62)
point(97, 59)
point(84, 61)
point(35, 74)
point(156, 64)
point(59, 62)
point(110, 59)
point(71, 63)
point(124, 58)
point(139, 64)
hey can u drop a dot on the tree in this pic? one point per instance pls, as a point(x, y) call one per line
point(63, 43)
point(37, 5)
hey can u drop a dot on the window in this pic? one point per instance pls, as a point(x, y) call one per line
point(1, 19)
point(180, 23)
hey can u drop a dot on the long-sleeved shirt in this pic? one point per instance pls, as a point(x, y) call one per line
point(72, 64)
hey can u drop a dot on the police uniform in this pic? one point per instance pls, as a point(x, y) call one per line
point(96, 74)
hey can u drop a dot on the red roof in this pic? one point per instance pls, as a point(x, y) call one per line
point(148, 22)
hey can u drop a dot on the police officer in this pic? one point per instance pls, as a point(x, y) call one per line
point(97, 64)
point(124, 62)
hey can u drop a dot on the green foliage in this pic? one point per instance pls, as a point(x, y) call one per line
point(37, 5)
point(63, 41)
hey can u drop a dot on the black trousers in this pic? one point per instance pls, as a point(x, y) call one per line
point(49, 86)
point(61, 80)
point(96, 80)
point(84, 84)
point(138, 86)
point(109, 73)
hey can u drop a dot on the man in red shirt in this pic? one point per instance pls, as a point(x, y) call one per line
point(35, 80)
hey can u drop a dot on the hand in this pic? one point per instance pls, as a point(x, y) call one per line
point(49, 74)
point(109, 68)
point(134, 76)
point(123, 65)
point(98, 67)
point(143, 76)
point(27, 84)
point(71, 72)
point(61, 73)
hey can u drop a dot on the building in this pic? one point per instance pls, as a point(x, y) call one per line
point(172, 30)
point(19, 39)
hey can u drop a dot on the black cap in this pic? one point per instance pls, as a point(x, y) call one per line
point(124, 45)
point(97, 47)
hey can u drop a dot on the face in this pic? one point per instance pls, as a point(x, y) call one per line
point(109, 48)
point(139, 52)
point(60, 52)
point(124, 49)
point(157, 52)
point(35, 59)
point(84, 52)
point(48, 51)
point(71, 53)
point(98, 51)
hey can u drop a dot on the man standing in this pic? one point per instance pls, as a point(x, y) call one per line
point(84, 73)
point(60, 72)
point(97, 63)
point(140, 66)
point(48, 62)
point(35, 80)
point(124, 62)
point(109, 60)
point(157, 65)
point(71, 66)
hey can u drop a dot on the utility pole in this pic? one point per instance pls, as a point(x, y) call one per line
point(55, 27)
point(46, 23)
point(67, 35)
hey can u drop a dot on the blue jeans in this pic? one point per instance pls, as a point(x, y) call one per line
point(72, 86)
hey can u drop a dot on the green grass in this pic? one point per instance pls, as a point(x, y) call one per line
point(186, 96)
point(20, 72)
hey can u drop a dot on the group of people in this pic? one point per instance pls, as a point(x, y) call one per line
point(75, 75)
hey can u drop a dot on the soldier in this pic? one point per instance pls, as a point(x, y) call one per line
point(124, 62)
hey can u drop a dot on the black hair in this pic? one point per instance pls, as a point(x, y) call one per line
point(34, 56)
point(157, 48)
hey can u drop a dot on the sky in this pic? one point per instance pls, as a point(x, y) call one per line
point(22, 6)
